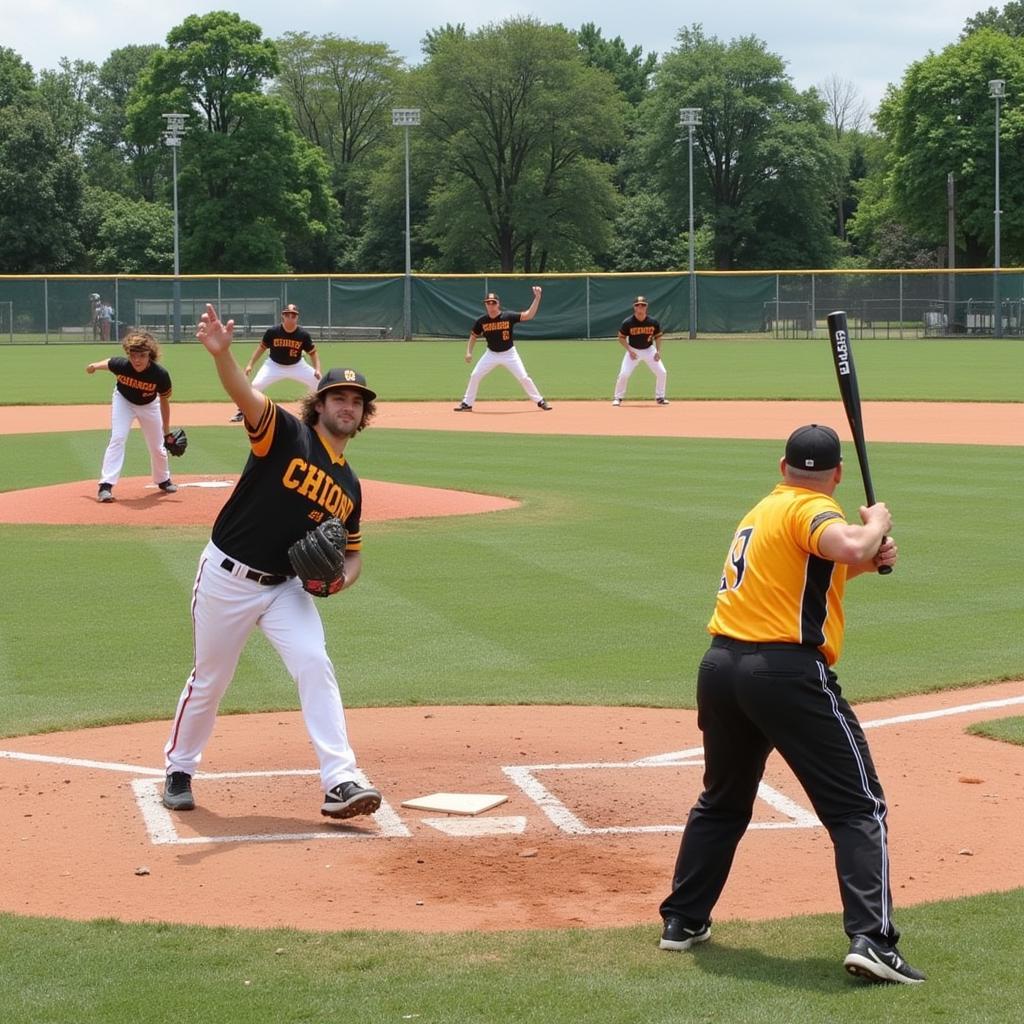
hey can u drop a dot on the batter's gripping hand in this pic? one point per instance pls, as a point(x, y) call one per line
point(319, 558)
point(176, 441)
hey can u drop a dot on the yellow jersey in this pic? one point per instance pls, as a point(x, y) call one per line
point(776, 585)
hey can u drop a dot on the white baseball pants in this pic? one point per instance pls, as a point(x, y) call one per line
point(226, 608)
point(271, 372)
point(656, 366)
point(151, 422)
point(492, 360)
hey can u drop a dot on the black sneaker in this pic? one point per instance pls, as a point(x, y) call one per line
point(662, 401)
point(178, 792)
point(462, 407)
point(868, 959)
point(349, 800)
point(237, 418)
point(543, 405)
point(104, 494)
point(167, 487)
point(678, 938)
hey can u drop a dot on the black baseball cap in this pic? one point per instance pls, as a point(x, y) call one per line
point(344, 377)
point(813, 447)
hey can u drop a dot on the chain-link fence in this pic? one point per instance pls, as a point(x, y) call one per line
point(781, 304)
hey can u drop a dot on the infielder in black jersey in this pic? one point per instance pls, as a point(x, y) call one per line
point(142, 391)
point(284, 344)
point(640, 336)
point(495, 326)
point(296, 476)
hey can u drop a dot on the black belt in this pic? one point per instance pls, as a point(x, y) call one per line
point(748, 645)
point(266, 578)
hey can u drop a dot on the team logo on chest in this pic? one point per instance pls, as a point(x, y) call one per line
point(314, 483)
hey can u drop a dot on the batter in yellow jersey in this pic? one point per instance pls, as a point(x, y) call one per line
point(776, 584)
point(766, 683)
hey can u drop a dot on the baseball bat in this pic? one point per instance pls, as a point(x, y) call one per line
point(846, 375)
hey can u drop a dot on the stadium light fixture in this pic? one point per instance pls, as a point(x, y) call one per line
point(997, 90)
point(172, 137)
point(689, 118)
point(407, 117)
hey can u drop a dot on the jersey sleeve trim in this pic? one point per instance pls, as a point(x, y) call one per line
point(261, 436)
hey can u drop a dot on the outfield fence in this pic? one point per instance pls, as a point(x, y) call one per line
point(782, 304)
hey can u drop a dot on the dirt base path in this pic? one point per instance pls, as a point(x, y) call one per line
point(924, 422)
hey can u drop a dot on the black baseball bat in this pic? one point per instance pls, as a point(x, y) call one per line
point(846, 374)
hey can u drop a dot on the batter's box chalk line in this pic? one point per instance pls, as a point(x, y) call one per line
point(525, 777)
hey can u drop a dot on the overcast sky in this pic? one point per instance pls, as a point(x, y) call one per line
point(867, 42)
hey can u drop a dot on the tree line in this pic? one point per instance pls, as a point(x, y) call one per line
point(540, 149)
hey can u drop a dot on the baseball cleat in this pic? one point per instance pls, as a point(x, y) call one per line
point(616, 402)
point(178, 792)
point(237, 418)
point(877, 963)
point(662, 401)
point(349, 800)
point(462, 407)
point(104, 494)
point(678, 938)
point(543, 405)
point(167, 487)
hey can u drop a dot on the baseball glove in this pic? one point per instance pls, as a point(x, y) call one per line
point(318, 558)
point(175, 441)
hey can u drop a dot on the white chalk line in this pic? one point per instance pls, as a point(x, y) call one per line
point(160, 823)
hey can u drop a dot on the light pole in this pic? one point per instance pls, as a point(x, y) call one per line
point(407, 117)
point(172, 138)
point(689, 118)
point(997, 90)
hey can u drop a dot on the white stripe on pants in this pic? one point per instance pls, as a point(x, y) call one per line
point(510, 361)
point(225, 610)
point(151, 422)
point(656, 366)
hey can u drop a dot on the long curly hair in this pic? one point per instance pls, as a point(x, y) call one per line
point(310, 413)
point(142, 339)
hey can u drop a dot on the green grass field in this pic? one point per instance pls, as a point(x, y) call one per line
point(926, 370)
point(609, 528)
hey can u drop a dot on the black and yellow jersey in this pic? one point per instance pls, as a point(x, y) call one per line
point(776, 586)
point(291, 482)
point(139, 387)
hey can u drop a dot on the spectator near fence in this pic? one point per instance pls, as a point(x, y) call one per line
point(105, 316)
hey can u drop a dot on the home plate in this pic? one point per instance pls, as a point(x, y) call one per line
point(478, 826)
point(456, 803)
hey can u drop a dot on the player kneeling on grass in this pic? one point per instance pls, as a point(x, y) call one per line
point(142, 391)
point(289, 530)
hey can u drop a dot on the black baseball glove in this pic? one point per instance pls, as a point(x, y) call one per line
point(175, 441)
point(318, 558)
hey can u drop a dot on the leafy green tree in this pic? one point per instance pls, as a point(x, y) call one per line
point(941, 119)
point(64, 93)
point(40, 193)
point(127, 236)
point(16, 77)
point(254, 195)
point(113, 159)
point(763, 160)
point(1009, 21)
point(629, 67)
point(340, 93)
point(512, 124)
